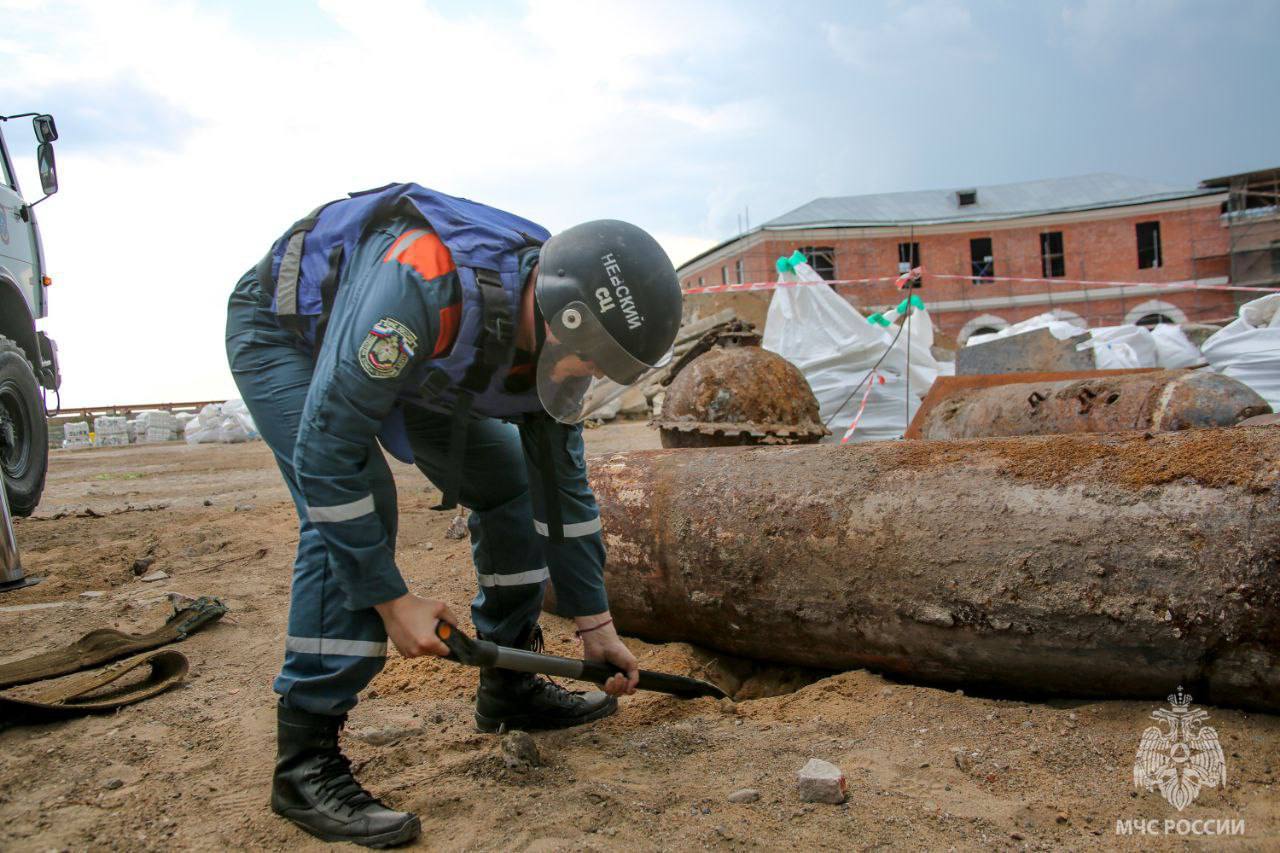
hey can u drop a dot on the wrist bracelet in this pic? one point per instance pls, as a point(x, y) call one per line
point(578, 633)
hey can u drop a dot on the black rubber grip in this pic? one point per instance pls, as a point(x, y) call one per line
point(660, 682)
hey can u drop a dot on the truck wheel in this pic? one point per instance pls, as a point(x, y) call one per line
point(24, 432)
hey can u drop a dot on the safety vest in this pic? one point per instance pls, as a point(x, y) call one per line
point(304, 268)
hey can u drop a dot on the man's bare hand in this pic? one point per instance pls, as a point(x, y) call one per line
point(411, 624)
point(604, 644)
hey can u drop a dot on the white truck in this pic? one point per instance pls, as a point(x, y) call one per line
point(28, 357)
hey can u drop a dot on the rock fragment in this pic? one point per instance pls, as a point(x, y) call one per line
point(519, 751)
point(745, 795)
point(457, 527)
point(821, 782)
point(157, 575)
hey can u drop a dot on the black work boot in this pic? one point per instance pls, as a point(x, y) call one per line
point(314, 788)
point(522, 700)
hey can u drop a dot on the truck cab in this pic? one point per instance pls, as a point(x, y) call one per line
point(28, 357)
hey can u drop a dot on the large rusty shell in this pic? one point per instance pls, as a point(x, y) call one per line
point(739, 395)
point(1156, 401)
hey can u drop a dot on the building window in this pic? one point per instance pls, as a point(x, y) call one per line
point(738, 269)
point(822, 259)
point(1275, 257)
point(964, 198)
point(724, 275)
point(908, 257)
point(700, 281)
point(981, 260)
point(1052, 262)
point(1149, 254)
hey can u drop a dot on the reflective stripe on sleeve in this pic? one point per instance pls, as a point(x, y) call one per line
point(341, 512)
point(517, 579)
point(329, 646)
point(403, 242)
point(571, 531)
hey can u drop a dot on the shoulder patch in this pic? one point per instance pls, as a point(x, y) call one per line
point(387, 349)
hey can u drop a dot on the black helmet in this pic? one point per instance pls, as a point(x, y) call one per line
point(611, 303)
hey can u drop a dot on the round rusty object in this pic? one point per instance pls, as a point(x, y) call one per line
point(739, 395)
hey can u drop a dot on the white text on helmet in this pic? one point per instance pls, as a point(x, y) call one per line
point(620, 291)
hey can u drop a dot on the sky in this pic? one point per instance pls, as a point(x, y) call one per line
point(193, 133)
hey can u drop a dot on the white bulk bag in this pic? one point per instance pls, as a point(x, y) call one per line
point(1120, 347)
point(834, 346)
point(1059, 328)
point(1174, 348)
point(1248, 348)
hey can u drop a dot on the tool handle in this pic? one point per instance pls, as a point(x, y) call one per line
point(464, 649)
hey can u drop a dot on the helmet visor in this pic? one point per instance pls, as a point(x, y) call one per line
point(581, 367)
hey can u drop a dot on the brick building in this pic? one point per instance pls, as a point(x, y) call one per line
point(1067, 235)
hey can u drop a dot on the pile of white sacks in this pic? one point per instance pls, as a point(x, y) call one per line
point(76, 435)
point(110, 431)
point(225, 423)
point(156, 426)
point(1248, 349)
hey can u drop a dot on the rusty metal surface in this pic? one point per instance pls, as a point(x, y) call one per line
point(1093, 401)
point(947, 386)
point(1115, 565)
point(739, 395)
point(1029, 352)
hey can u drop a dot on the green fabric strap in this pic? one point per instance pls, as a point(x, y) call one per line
point(913, 300)
point(787, 264)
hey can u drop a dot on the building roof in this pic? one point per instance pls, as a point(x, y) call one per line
point(995, 202)
point(1268, 175)
point(1001, 201)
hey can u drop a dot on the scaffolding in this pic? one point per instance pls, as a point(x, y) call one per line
point(1252, 218)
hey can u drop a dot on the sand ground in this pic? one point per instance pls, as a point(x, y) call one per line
point(190, 769)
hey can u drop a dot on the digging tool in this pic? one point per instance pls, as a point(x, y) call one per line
point(464, 649)
point(12, 575)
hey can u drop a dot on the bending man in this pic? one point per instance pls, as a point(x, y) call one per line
point(470, 342)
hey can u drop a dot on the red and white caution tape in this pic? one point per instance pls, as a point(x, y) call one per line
point(775, 285)
point(862, 407)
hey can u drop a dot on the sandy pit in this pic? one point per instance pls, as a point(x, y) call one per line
point(190, 769)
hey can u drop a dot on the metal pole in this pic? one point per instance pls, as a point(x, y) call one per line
point(11, 574)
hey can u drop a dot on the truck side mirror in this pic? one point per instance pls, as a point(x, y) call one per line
point(48, 170)
point(46, 130)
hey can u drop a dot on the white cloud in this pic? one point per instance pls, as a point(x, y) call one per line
point(933, 32)
point(146, 244)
